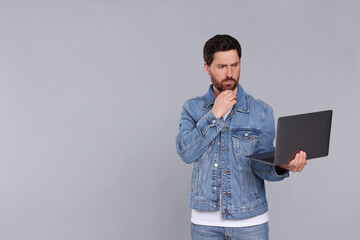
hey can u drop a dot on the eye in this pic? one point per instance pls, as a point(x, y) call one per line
point(235, 64)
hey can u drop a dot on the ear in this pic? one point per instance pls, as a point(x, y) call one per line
point(207, 69)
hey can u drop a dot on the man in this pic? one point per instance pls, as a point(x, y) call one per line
point(216, 132)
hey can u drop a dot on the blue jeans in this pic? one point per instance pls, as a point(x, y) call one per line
point(259, 232)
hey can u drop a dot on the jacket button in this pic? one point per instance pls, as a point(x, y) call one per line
point(214, 121)
point(214, 188)
point(218, 143)
point(216, 165)
point(214, 206)
point(246, 134)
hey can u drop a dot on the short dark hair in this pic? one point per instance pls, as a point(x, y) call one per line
point(219, 43)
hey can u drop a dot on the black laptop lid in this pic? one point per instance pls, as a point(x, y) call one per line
point(308, 132)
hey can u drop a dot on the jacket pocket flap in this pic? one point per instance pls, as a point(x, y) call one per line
point(245, 134)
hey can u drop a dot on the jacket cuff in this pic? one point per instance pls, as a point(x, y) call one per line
point(209, 121)
point(280, 172)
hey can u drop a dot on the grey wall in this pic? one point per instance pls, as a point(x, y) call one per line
point(91, 94)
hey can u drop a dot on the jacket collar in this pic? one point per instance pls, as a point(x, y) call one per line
point(242, 104)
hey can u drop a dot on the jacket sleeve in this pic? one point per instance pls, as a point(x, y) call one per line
point(265, 144)
point(194, 137)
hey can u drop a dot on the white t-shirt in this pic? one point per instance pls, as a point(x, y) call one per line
point(214, 218)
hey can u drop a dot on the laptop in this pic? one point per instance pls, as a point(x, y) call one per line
point(309, 132)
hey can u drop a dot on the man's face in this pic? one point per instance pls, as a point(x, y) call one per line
point(224, 70)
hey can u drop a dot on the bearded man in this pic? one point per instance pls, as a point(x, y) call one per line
point(216, 132)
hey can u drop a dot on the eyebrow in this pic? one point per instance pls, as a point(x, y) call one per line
point(223, 65)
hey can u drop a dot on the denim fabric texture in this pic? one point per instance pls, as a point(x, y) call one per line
point(217, 150)
point(258, 232)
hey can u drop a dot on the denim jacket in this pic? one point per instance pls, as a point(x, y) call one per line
point(217, 149)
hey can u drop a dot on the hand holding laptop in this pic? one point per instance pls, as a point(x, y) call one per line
point(297, 164)
point(309, 132)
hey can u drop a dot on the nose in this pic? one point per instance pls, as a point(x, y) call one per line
point(229, 72)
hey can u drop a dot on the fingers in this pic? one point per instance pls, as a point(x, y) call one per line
point(228, 97)
point(297, 164)
point(302, 161)
point(223, 103)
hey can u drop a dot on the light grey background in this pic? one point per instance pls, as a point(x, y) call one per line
point(91, 94)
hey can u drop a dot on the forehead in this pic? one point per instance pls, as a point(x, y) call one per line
point(226, 57)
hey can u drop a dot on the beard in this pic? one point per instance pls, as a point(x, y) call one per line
point(225, 84)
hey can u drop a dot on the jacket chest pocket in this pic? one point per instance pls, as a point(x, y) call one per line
point(244, 141)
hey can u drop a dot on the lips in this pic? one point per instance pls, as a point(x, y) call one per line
point(229, 81)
